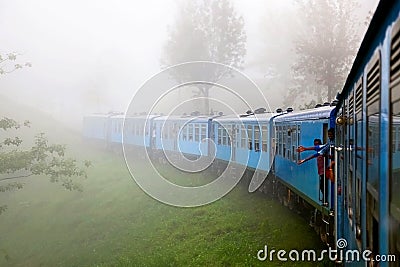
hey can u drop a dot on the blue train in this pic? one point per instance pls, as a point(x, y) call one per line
point(361, 204)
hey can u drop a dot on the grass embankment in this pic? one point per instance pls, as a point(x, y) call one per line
point(114, 223)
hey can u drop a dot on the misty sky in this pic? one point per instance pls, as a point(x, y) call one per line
point(91, 55)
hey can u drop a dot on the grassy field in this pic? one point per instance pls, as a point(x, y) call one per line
point(113, 223)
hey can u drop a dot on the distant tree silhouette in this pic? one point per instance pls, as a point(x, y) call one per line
point(325, 49)
point(205, 31)
point(8, 63)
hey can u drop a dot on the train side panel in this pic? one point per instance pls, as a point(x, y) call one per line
point(302, 178)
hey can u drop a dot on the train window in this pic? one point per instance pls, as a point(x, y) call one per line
point(236, 140)
point(289, 142)
point(171, 131)
point(223, 133)
point(284, 141)
point(243, 136)
point(184, 132)
point(165, 130)
point(264, 130)
point(203, 132)
point(228, 134)
point(219, 134)
point(222, 130)
point(279, 134)
point(190, 132)
point(256, 138)
point(298, 140)
point(373, 133)
point(294, 142)
point(250, 135)
point(354, 150)
point(196, 132)
point(359, 144)
point(174, 130)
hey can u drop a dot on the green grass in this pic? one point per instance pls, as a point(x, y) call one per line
point(114, 223)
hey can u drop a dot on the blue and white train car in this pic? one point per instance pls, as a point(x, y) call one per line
point(186, 134)
point(139, 130)
point(102, 127)
point(245, 140)
point(96, 126)
point(367, 141)
point(291, 131)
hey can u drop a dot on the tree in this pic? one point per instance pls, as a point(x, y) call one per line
point(205, 31)
point(41, 158)
point(18, 161)
point(325, 49)
point(6, 67)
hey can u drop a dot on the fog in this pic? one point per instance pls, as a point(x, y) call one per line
point(91, 56)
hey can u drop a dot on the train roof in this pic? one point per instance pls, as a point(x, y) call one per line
point(141, 117)
point(201, 119)
point(266, 117)
point(309, 114)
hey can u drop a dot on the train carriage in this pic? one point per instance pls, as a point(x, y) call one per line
point(102, 127)
point(186, 134)
point(293, 130)
point(95, 127)
point(367, 136)
point(138, 130)
point(246, 140)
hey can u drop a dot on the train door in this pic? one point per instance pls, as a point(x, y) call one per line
point(340, 170)
point(324, 197)
point(373, 86)
point(210, 136)
point(235, 140)
point(351, 191)
point(354, 178)
point(232, 140)
point(358, 154)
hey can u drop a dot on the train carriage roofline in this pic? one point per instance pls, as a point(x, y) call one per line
point(265, 117)
point(323, 112)
point(190, 119)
